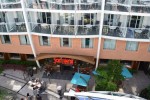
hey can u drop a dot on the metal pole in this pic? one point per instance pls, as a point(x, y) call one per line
point(28, 31)
point(100, 33)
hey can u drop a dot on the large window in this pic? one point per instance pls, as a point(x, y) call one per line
point(1, 55)
point(44, 40)
point(109, 44)
point(15, 56)
point(87, 43)
point(30, 57)
point(149, 48)
point(65, 42)
point(24, 39)
point(132, 45)
point(5, 39)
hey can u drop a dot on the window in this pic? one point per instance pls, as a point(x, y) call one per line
point(15, 56)
point(30, 57)
point(149, 48)
point(109, 44)
point(5, 39)
point(24, 40)
point(132, 46)
point(87, 43)
point(135, 21)
point(44, 40)
point(1, 55)
point(65, 42)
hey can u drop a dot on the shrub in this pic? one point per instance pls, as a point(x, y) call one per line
point(109, 76)
point(145, 93)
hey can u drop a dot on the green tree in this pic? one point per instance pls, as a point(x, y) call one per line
point(109, 77)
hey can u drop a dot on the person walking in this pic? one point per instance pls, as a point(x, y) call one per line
point(29, 97)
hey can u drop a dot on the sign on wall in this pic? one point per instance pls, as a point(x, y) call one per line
point(63, 61)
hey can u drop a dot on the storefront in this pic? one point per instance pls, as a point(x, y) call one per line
point(67, 62)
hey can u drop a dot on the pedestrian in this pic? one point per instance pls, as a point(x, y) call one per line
point(28, 97)
point(59, 88)
point(38, 97)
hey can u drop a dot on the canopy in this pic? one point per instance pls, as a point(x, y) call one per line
point(80, 79)
point(126, 73)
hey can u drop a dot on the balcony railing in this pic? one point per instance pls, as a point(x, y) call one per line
point(11, 5)
point(126, 32)
point(128, 6)
point(87, 30)
point(40, 28)
point(64, 30)
point(65, 6)
point(17, 27)
point(3, 27)
point(117, 5)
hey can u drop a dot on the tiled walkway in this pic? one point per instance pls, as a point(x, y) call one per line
point(14, 80)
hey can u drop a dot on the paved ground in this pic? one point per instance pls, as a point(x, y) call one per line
point(137, 83)
point(14, 80)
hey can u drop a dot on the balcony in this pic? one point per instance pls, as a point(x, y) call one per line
point(113, 31)
point(3, 27)
point(40, 28)
point(39, 6)
point(17, 27)
point(87, 30)
point(138, 33)
point(64, 30)
point(126, 32)
point(117, 5)
point(7, 4)
point(141, 6)
point(66, 5)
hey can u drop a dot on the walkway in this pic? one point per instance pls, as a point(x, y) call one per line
point(137, 83)
point(14, 80)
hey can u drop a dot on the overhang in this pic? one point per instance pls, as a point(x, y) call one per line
point(88, 59)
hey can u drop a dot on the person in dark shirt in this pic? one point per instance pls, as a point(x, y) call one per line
point(29, 97)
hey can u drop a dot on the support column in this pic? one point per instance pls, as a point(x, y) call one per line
point(100, 33)
point(28, 31)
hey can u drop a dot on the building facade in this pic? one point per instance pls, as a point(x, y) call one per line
point(102, 29)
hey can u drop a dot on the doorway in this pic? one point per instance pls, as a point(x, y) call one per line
point(144, 66)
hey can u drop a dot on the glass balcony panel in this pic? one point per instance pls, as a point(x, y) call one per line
point(114, 31)
point(87, 30)
point(141, 6)
point(138, 33)
point(11, 5)
point(118, 5)
point(9, 1)
point(39, 6)
point(40, 28)
point(89, 6)
point(68, 7)
point(67, 1)
point(64, 30)
point(17, 27)
point(3, 27)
